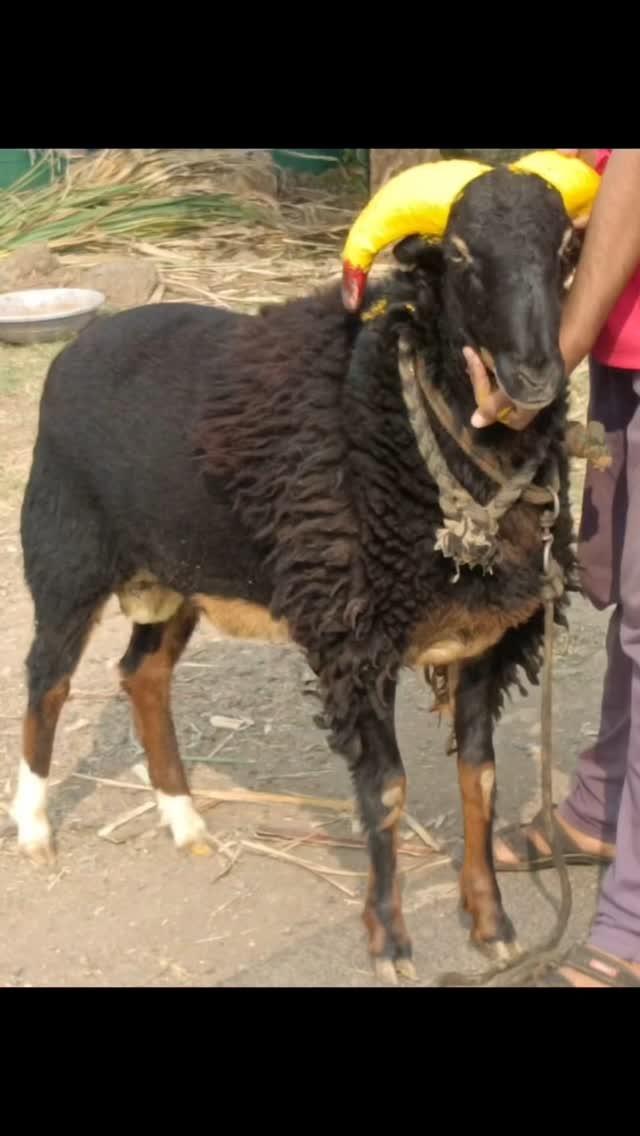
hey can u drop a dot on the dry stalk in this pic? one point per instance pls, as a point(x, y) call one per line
point(421, 831)
point(276, 854)
point(236, 796)
point(321, 838)
point(124, 818)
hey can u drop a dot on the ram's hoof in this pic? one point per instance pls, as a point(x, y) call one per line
point(389, 972)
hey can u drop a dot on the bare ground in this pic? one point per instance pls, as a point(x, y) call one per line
point(130, 911)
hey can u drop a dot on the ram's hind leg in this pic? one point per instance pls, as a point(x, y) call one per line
point(146, 671)
point(492, 931)
point(53, 657)
point(381, 789)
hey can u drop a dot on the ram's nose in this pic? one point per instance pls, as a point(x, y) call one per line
point(527, 386)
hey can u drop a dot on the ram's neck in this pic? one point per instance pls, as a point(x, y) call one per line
point(540, 442)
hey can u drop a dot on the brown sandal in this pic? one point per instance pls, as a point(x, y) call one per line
point(531, 859)
point(596, 964)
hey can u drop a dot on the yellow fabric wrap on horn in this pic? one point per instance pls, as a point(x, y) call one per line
point(576, 182)
point(419, 200)
point(416, 201)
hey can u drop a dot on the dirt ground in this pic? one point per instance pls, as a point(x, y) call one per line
point(129, 910)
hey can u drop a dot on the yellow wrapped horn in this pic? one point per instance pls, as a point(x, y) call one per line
point(577, 182)
point(416, 201)
point(419, 200)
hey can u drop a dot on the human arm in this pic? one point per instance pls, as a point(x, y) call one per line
point(610, 256)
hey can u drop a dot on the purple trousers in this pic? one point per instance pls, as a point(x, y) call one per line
point(605, 798)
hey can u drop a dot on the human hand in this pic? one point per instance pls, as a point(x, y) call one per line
point(492, 405)
point(588, 156)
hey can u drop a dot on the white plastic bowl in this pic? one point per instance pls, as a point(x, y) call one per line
point(39, 315)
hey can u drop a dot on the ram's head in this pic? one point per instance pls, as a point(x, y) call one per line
point(508, 243)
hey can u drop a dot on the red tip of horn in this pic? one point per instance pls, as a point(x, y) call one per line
point(354, 283)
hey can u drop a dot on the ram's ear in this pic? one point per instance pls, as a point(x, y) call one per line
point(569, 254)
point(417, 252)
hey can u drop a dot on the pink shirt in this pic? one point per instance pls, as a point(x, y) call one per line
point(618, 344)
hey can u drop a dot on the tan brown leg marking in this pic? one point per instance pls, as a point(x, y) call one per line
point(492, 930)
point(39, 727)
point(478, 889)
point(148, 685)
point(476, 882)
point(146, 671)
point(29, 806)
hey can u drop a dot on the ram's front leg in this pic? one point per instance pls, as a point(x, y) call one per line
point(492, 931)
point(380, 784)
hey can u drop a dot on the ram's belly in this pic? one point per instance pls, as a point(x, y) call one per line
point(239, 619)
point(449, 635)
point(453, 634)
point(143, 599)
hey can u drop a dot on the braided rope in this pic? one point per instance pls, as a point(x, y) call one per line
point(469, 533)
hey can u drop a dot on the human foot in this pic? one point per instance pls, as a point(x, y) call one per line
point(590, 966)
point(525, 848)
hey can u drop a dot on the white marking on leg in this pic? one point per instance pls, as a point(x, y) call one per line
point(179, 813)
point(357, 827)
point(394, 795)
point(487, 785)
point(507, 952)
point(29, 811)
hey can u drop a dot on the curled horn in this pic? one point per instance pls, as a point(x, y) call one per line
point(418, 201)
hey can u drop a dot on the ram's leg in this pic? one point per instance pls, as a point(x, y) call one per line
point(62, 631)
point(380, 783)
point(492, 931)
point(146, 671)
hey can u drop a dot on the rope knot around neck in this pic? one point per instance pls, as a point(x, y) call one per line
point(469, 533)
